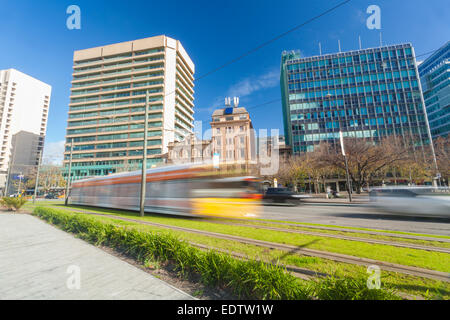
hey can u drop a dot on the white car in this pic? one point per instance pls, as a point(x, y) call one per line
point(417, 201)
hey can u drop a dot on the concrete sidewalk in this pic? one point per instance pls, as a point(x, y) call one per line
point(37, 261)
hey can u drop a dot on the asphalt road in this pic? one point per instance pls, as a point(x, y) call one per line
point(356, 216)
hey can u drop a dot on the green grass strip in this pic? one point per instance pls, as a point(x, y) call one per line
point(427, 288)
point(411, 257)
point(246, 279)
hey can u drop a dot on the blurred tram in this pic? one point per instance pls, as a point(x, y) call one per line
point(191, 189)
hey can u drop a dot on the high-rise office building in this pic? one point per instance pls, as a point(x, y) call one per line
point(367, 93)
point(24, 107)
point(435, 79)
point(107, 104)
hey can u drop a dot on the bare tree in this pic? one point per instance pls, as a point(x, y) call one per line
point(293, 172)
point(365, 158)
point(50, 176)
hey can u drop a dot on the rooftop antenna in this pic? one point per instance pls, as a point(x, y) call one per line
point(381, 40)
point(359, 40)
point(236, 101)
point(339, 43)
point(227, 101)
point(320, 48)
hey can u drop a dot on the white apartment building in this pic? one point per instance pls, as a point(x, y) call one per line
point(24, 107)
point(107, 104)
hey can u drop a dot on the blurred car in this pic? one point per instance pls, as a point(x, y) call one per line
point(281, 195)
point(50, 196)
point(416, 201)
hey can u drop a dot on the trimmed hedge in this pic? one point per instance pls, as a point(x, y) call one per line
point(246, 279)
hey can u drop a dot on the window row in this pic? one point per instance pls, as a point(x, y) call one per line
point(358, 58)
point(370, 90)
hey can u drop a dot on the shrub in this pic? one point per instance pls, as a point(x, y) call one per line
point(333, 288)
point(12, 203)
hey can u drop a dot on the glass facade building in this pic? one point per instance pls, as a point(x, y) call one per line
point(368, 93)
point(435, 80)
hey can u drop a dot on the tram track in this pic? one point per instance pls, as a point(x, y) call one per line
point(415, 271)
point(349, 230)
point(343, 237)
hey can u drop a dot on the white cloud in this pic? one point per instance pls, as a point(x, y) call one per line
point(218, 102)
point(361, 16)
point(53, 153)
point(249, 85)
point(245, 87)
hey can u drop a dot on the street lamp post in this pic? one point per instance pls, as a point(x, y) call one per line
point(349, 187)
point(309, 176)
point(144, 158)
point(69, 173)
point(20, 183)
point(36, 185)
point(8, 176)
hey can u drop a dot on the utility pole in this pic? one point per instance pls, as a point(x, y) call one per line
point(309, 176)
point(349, 187)
point(69, 173)
point(144, 158)
point(8, 177)
point(20, 183)
point(36, 185)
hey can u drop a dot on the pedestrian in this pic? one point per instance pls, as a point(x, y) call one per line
point(334, 193)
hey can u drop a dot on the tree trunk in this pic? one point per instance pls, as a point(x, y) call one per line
point(358, 187)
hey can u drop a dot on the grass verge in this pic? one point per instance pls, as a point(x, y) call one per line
point(410, 257)
point(427, 288)
point(246, 279)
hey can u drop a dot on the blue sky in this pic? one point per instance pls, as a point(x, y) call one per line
point(35, 40)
